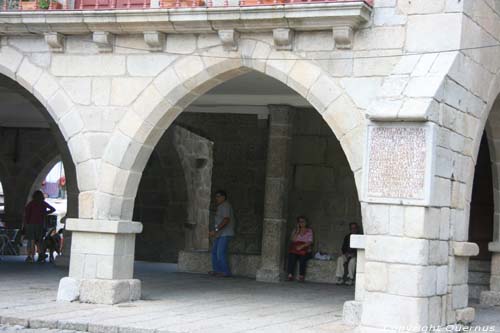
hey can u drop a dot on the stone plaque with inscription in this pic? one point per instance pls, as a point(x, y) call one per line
point(397, 163)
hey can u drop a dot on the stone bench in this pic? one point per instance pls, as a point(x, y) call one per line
point(247, 265)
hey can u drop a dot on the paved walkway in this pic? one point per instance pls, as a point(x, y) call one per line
point(173, 302)
point(177, 302)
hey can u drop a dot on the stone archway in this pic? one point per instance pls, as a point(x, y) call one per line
point(189, 77)
point(492, 297)
point(31, 148)
point(56, 105)
point(154, 110)
point(43, 95)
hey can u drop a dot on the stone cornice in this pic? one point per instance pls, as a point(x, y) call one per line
point(300, 17)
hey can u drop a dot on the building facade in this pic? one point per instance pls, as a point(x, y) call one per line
point(353, 111)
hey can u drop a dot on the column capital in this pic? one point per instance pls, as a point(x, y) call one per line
point(465, 249)
point(103, 226)
point(358, 241)
point(494, 247)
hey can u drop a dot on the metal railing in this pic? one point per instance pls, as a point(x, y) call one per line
point(50, 5)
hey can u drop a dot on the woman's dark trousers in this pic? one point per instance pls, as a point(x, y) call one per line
point(292, 260)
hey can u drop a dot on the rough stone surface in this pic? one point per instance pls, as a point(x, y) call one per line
point(174, 197)
point(108, 291)
point(491, 298)
point(69, 289)
point(352, 312)
point(246, 148)
point(174, 301)
point(466, 316)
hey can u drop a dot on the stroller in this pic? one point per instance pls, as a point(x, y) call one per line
point(51, 242)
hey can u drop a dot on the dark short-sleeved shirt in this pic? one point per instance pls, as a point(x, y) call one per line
point(346, 246)
point(225, 210)
point(35, 212)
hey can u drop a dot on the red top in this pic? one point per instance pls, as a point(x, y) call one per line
point(35, 212)
point(307, 237)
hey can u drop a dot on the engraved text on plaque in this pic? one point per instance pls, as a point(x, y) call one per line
point(397, 163)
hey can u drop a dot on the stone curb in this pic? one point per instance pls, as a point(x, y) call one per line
point(43, 323)
point(13, 321)
point(76, 326)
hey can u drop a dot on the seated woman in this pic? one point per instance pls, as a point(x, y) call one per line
point(300, 248)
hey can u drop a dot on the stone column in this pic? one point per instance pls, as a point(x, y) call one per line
point(276, 195)
point(71, 212)
point(353, 309)
point(414, 219)
point(102, 262)
point(492, 296)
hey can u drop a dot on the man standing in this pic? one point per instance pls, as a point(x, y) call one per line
point(223, 233)
point(348, 256)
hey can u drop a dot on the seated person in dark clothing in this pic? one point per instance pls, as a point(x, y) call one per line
point(348, 256)
point(300, 248)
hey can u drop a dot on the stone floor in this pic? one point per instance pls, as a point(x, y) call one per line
point(176, 302)
point(172, 302)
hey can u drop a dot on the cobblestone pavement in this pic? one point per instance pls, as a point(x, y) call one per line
point(177, 302)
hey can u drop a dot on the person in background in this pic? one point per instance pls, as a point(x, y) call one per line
point(300, 248)
point(51, 243)
point(34, 217)
point(223, 232)
point(348, 257)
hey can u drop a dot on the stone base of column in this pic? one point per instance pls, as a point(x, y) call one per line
point(270, 275)
point(98, 291)
point(491, 298)
point(352, 311)
point(101, 263)
point(466, 316)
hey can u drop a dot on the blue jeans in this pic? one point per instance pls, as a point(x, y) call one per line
point(219, 255)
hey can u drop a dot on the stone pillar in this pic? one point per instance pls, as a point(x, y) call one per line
point(63, 260)
point(492, 296)
point(353, 309)
point(276, 195)
point(414, 219)
point(196, 156)
point(102, 262)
